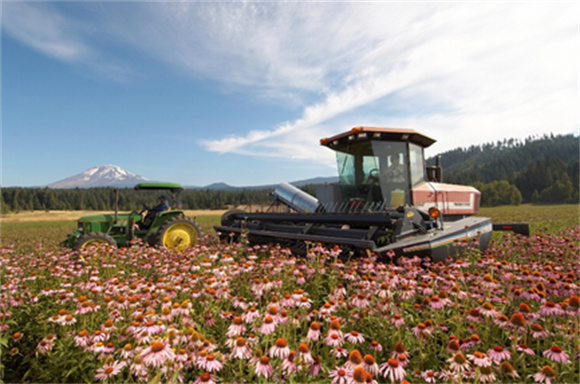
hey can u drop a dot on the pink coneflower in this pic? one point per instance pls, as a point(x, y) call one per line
point(538, 332)
point(340, 376)
point(45, 345)
point(250, 315)
point(241, 350)
point(157, 354)
point(488, 310)
point(340, 352)
point(313, 331)
point(109, 370)
point(237, 328)
point(479, 359)
point(393, 371)
point(525, 349)
point(206, 378)
point(17, 336)
point(279, 350)
point(498, 354)
point(370, 365)
point(268, 326)
point(82, 339)
point(360, 376)
point(304, 354)
point(355, 359)
point(334, 340)
point(375, 346)
point(210, 363)
point(436, 303)
point(127, 351)
point(315, 367)
point(549, 308)
point(354, 337)
point(518, 322)
point(421, 331)
point(399, 349)
point(289, 366)
point(429, 376)
point(459, 363)
point(556, 354)
point(506, 369)
point(397, 320)
point(360, 301)
point(546, 375)
point(486, 374)
point(474, 316)
point(263, 367)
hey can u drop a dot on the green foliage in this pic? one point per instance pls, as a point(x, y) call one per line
point(498, 193)
point(544, 170)
point(101, 199)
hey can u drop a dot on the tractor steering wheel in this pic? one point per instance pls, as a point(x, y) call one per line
point(373, 176)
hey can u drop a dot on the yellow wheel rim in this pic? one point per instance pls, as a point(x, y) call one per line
point(94, 242)
point(180, 236)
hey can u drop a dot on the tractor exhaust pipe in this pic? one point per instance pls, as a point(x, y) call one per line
point(296, 199)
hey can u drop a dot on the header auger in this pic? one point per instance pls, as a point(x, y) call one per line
point(387, 202)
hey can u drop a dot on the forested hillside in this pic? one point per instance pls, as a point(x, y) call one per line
point(538, 169)
point(103, 199)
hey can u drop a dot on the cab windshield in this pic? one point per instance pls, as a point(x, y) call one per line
point(377, 173)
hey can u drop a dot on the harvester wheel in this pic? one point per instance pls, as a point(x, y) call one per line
point(178, 233)
point(229, 221)
point(93, 238)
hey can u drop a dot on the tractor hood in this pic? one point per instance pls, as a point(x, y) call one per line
point(108, 217)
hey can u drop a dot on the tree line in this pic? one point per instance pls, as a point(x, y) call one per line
point(103, 199)
point(535, 170)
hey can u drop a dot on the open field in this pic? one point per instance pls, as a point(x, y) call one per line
point(29, 230)
point(225, 313)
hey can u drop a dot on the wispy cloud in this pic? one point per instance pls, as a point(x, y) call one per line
point(461, 72)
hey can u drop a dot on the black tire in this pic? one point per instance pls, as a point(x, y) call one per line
point(228, 220)
point(179, 232)
point(93, 238)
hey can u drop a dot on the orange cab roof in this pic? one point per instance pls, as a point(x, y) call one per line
point(377, 133)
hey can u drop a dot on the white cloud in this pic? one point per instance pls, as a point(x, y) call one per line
point(46, 30)
point(463, 73)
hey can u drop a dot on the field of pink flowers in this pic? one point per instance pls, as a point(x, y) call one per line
point(225, 313)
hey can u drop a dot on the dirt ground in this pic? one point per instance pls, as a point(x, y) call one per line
point(74, 215)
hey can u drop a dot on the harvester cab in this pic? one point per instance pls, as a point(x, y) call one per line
point(386, 202)
point(169, 229)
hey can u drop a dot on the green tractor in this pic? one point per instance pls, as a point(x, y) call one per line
point(170, 229)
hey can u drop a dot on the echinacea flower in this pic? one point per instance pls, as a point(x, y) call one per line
point(354, 337)
point(498, 354)
point(241, 349)
point(268, 326)
point(313, 331)
point(109, 370)
point(556, 354)
point(355, 359)
point(370, 365)
point(157, 354)
point(340, 375)
point(263, 367)
point(546, 375)
point(459, 363)
point(206, 378)
point(525, 349)
point(304, 354)
point(429, 376)
point(479, 359)
point(506, 369)
point(486, 374)
point(279, 350)
point(392, 370)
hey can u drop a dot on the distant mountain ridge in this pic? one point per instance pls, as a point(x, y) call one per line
point(116, 177)
point(100, 176)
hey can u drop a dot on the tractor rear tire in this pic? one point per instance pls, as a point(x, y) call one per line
point(93, 238)
point(177, 233)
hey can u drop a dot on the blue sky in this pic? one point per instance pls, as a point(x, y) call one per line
point(242, 92)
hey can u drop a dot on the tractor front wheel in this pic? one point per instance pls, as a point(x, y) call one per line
point(177, 233)
point(93, 238)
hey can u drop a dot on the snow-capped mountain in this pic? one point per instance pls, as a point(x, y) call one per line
point(101, 176)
